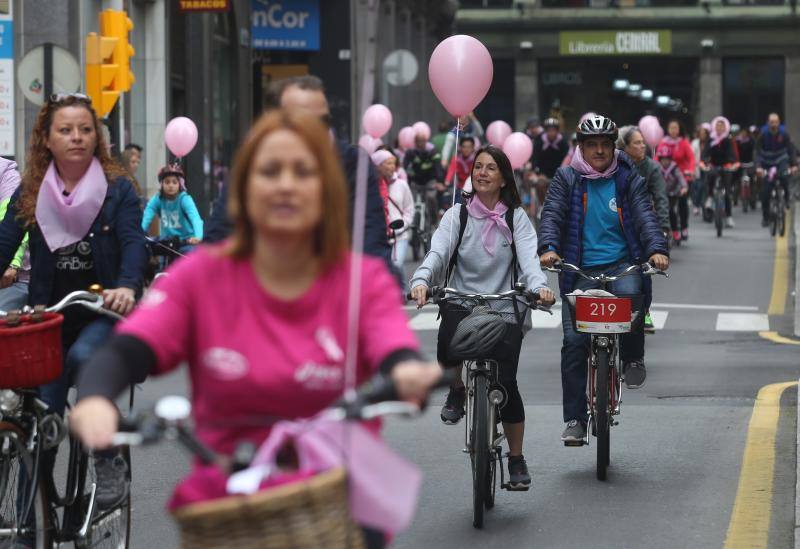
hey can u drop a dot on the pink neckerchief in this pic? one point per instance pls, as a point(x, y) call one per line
point(496, 222)
point(668, 170)
point(582, 167)
point(717, 139)
point(547, 144)
point(671, 141)
point(65, 220)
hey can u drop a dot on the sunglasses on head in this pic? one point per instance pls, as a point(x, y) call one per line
point(56, 98)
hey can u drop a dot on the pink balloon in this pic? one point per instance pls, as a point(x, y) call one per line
point(180, 136)
point(651, 130)
point(460, 72)
point(421, 128)
point(369, 143)
point(377, 120)
point(518, 149)
point(406, 138)
point(497, 132)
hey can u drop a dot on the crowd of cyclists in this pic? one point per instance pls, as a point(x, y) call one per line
point(277, 255)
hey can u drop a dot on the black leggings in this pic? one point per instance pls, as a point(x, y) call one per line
point(513, 411)
point(680, 220)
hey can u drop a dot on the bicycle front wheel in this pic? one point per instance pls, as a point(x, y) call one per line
point(16, 492)
point(782, 214)
point(110, 528)
point(480, 449)
point(602, 416)
point(719, 214)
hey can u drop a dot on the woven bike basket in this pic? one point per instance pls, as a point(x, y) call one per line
point(30, 351)
point(312, 513)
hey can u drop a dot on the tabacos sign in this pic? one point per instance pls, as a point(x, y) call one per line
point(649, 42)
point(285, 24)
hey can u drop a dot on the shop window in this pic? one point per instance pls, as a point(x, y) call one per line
point(752, 88)
point(499, 102)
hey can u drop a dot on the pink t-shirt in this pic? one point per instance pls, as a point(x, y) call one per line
point(252, 355)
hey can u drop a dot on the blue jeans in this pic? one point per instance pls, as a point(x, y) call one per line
point(575, 349)
point(76, 353)
point(14, 297)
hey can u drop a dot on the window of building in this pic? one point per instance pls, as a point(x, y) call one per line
point(752, 88)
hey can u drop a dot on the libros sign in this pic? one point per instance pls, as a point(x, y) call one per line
point(653, 42)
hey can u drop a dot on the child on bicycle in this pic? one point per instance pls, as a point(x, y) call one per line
point(676, 186)
point(176, 210)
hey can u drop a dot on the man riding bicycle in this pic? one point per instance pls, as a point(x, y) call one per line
point(423, 164)
point(774, 149)
point(549, 150)
point(598, 215)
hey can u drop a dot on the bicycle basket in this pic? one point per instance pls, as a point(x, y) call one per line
point(477, 335)
point(601, 315)
point(306, 514)
point(30, 353)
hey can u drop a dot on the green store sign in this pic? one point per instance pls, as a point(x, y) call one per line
point(651, 42)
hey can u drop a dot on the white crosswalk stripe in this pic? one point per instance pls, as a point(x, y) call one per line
point(742, 322)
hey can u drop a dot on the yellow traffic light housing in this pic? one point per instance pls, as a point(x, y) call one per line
point(100, 74)
point(116, 24)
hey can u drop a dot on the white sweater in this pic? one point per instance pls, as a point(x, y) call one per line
point(401, 206)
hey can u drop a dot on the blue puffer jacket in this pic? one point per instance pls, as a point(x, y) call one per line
point(561, 229)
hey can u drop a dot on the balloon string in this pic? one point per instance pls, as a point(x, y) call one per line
point(455, 189)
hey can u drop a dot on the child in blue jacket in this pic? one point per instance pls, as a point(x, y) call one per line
point(175, 208)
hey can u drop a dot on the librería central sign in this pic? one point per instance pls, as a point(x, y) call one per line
point(648, 42)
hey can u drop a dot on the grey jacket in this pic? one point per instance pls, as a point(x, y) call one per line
point(651, 171)
point(476, 270)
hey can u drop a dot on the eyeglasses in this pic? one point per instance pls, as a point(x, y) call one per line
point(61, 97)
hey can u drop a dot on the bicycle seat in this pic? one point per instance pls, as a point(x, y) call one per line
point(477, 335)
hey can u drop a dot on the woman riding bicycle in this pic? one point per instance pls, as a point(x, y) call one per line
point(176, 210)
point(486, 265)
point(599, 216)
point(681, 153)
point(82, 216)
point(258, 318)
point(720, 153)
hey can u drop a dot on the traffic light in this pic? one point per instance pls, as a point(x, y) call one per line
point(116, 24)
point(99, 74)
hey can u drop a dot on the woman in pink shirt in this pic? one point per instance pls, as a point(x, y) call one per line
point(259, 318)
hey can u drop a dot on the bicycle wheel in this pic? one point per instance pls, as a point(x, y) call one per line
point(16, 467)
point(491, 473)
point(782, 218)
point(602, 418)
point(480, 449)
point(719, 213)
point(110, 528)
point(773, 214)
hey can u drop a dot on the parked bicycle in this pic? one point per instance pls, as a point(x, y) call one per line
point(605, 317)
point(35, 510)
point(305, 513)
point(485, 395)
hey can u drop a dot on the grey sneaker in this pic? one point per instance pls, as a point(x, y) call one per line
point(518, 476)
point(575, 432)
point(635, 374)
point(453, 409)
point(112, 481)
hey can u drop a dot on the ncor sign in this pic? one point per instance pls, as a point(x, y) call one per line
point(649, 42)
point(204, 5)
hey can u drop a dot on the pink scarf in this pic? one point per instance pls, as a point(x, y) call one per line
point(672, 141)
point(547, 144)
point(65, 220)
point(582, 167)
point(496, 222)
point(665, 172)
point(717, 139)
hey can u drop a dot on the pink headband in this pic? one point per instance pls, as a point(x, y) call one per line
point(381, 156)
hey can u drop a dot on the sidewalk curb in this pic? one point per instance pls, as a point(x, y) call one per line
point(796, 270)
point(797, 476)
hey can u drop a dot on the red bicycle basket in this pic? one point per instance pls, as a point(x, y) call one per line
point(30, 353)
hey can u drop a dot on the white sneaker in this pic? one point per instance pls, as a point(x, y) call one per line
point(729, 222)
point(709, 205)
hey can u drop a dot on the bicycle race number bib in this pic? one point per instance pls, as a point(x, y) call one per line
point(604, 315)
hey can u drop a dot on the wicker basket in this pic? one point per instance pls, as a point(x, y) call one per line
point(30, 351)
point(312, 513)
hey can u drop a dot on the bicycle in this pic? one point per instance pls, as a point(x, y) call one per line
point(485, 397)
point(33, 509)
point(604, 318)
point(719, 194)
point(777, 202)
point(747, 192)
point(422, 226)
point(317, 507)
point(539, 185)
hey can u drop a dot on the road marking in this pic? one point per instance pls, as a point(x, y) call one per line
point(659, 319)
point(742, 322)
point(543, 320)
point(775, 337)
point(426, 320)
point(780, 274)
point(704, 307)
point(750, 518)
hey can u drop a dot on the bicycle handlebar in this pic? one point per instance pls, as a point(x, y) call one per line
point(89, 300)
point(645, 268)
point(439, 294)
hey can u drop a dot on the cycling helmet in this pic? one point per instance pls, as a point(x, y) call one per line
point(170, 169)
point(552, 123)
point(477, 335)
point(597, 126)
point(664, 151)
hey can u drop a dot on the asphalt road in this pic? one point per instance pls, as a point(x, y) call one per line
point(676, 454)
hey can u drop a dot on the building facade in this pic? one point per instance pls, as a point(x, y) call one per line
point(685, 59)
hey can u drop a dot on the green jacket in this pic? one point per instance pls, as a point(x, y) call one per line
point(17, 261)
